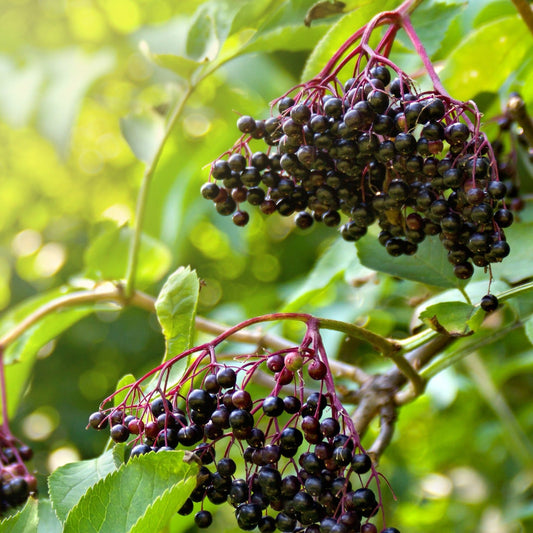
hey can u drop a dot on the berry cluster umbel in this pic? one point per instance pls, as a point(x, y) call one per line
point(372, 150)
point(16, 482)
point(290, 461)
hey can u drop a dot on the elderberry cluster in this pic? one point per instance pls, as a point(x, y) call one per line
point(16, 483)
point(373, 150)
point(290, 461)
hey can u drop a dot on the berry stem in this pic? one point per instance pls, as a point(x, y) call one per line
point(133, 255)
point(421, 51)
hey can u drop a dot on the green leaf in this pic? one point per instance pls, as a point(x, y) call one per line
point(330, 267)
point(469, 69)
point(339, 32)
point(475, 291)
point(429, 265)
point(202, 43)
point(140, 496)
point(293, 38)
point(176, 310)
point(48, 521)
point(144, 134)
point(24, 521)
point(449, 318)
point(70, 482)
point(183, 66)
point(253, 14)
point(106, 257)
point(125, 380)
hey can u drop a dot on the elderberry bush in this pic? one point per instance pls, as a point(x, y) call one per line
point(372, 150)
point(288, 461)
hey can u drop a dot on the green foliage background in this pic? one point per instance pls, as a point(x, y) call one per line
point(71, 70)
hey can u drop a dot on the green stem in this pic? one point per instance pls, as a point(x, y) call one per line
point(133, 256)
point(454, 356)
point(515, 291)
point(415, 341)
point(465, 295)
point(517, 439)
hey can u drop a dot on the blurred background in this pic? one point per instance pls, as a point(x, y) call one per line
point(69, 71)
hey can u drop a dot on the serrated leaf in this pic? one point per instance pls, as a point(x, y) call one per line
point(24, 521)
point(429, 265)
point(106, 257)
point(48, 521)
point(330, 266)
point(144, 134)
point(339, 32)
point(70, 482)
point(449, 318)
point(176, 309)
point(125, 380)
point(469, 69)
point(144, 493)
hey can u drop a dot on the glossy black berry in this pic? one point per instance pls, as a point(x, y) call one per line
point(98, 420)
point(273, 406)
point(503, 217)
point(226, 378)
point(292, 404)
point(140, 449)
point(489, 303)
point(361, 463)
point(119, 433)
point(240, 419)
point(203, 519)
point(210, 190)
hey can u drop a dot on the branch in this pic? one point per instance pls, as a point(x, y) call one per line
point(388, 417)
point(107, 292)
